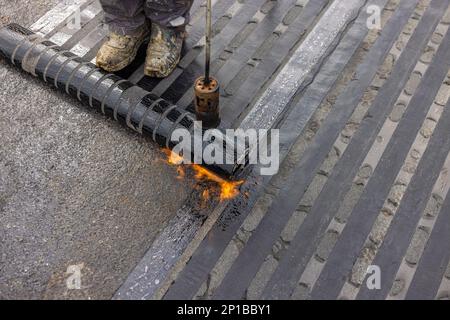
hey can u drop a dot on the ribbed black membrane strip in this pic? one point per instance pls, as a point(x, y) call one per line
point(371, 201)
point(260, 243)
point(212, 247)
point(435, 259)
point(344, 172)
point(220, 41)
point(84, 31)
point(404, 224)
point(226, 69)
point(236, 105)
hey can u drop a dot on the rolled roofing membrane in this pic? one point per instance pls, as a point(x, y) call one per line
point(117, 98)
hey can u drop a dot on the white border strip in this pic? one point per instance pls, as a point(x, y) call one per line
point(56, 16)
point(305, 59)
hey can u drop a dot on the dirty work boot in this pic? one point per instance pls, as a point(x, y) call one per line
point(164, 50)
point(120, 50)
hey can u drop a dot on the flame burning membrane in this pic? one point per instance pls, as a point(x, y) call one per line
point(228, 189)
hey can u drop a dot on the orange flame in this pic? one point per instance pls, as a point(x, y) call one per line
point(173, 158)
point(228, 189)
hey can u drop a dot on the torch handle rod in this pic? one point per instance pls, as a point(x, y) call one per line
point(208, 37)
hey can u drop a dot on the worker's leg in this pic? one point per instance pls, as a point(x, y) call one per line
point(128, 28)
point(124, 17)
point(168, 13)
point(169, 18)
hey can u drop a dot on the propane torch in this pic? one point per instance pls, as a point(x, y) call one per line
point(206, 88)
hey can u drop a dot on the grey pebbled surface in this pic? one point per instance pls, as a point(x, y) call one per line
point(75, 188)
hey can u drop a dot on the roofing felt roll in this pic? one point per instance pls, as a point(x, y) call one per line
point(117, 98)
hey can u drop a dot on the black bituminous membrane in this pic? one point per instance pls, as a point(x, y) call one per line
point(108, 93)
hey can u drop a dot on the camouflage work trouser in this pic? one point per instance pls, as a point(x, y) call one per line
point(126, 17)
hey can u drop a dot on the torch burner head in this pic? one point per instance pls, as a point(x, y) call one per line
point(207, 95)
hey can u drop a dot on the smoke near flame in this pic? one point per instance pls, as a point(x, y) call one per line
point(227, 189)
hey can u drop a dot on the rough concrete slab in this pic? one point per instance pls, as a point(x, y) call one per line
point(75, 188)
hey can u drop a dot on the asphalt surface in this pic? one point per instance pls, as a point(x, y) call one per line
point(75, 188)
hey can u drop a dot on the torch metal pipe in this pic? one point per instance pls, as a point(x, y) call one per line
point(208, 36)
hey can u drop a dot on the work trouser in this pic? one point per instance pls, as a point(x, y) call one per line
point(126, 17)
